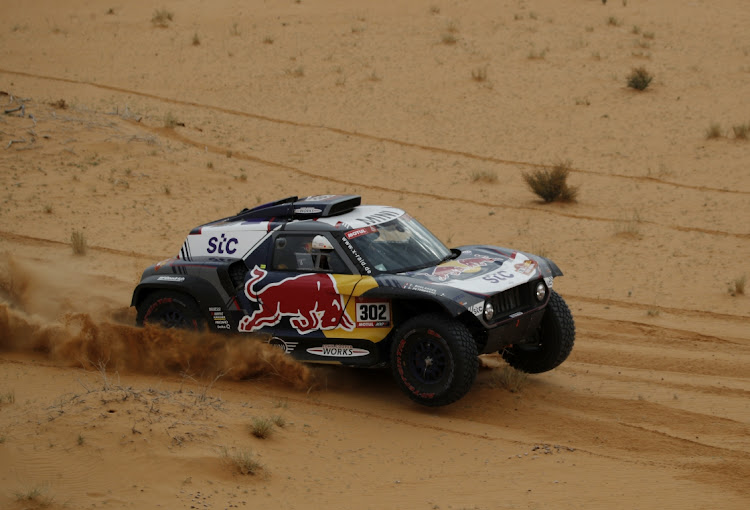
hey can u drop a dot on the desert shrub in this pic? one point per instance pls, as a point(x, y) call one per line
point(242, 460)
point(487, 176)
point(261, 428)
point(479, 74)
point(509, 378)
point(639, 78)
point(196, 39)
point(741, 131)
point(161, 18)
point(713, 131)
point(170, 121)
point(737, 287)
point(448, 38)
point(279, 421)
point(78, 242)
point(550, 184)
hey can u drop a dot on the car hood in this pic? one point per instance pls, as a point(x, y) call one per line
point(485, 270)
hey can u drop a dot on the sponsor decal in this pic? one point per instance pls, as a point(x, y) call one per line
point(420, 288)
point(514, 315)
point(373, 314)
point(217, 314)
point(171, 278)
point(498, 276)
point(477, 309)
point(527, 267)
point(161, 264)
point(318, 198)
point(222, 245)
point(458, 267)
point(360, 232)
point(356, 255)
point(284, 345)
point(548, 280)
point(338, 351)
point(311, 301)
point(308, 210)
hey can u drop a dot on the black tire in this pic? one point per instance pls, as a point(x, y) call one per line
point(554, 340)
point(434, 359)
point(170, 309)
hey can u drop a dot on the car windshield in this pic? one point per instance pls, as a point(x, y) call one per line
point(398, 245)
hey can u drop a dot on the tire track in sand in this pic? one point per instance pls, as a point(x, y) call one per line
point(215, 149)
point(365, 136)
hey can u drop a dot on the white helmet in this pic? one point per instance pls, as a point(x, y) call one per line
point(321, 243)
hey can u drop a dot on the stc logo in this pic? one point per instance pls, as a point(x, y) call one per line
point(222, 245)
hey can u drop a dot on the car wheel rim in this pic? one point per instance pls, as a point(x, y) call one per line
point(428, 361)
point(172, 319)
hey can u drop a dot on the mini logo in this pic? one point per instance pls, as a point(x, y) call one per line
point(284, 345)
point(338, 351)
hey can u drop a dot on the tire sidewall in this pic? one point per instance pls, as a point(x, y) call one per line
point(448, 337)
point(156, 305)
point(403, 358)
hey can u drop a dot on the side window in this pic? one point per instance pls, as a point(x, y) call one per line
point(297, 253)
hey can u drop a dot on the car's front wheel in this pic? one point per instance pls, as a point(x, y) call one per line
point(552, 341)
point(434, 359)
point(170, 310)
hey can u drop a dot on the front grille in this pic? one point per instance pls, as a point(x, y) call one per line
point(514, 300)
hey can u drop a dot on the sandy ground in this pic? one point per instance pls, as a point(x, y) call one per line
point(133, 133)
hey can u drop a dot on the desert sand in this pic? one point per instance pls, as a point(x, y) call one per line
point(136, 127)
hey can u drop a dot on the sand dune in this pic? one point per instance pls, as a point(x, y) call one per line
point(132, 133)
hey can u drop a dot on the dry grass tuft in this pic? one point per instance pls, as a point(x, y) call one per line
point(479, 74)
point(509, 378)
point(486, 176)
point(262, 428)
point(737, 286)
point(35, 496)
point(162, 18)
point(242, 460)
point(639, 78)
point(196, 39)
point(741, 131)
point(551, 184)
point(78, 242)
point(279, 421)
point(714, 131)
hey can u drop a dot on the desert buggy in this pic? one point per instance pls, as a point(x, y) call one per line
point(330, 280)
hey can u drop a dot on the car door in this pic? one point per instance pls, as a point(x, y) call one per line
point(303, 291)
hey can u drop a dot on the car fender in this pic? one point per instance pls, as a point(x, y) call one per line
point(199, 289)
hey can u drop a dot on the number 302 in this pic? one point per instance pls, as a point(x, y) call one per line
point(372, 312)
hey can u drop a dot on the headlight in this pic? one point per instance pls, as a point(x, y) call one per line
point(541, 291)
point(489, 311)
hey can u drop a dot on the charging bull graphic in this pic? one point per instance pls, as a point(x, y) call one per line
point(460, 266)
point(311, 300)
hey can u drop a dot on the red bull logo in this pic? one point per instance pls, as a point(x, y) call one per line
point(461, 266)
point(312, 302)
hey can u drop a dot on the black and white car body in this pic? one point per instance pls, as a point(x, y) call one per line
point(330, 280)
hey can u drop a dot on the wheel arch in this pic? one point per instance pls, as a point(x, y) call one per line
point(199, 289)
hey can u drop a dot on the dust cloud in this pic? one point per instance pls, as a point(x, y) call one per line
point(104, 338)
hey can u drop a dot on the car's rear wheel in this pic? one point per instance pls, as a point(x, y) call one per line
point(434, 359)
point(170, 310)
point(552, 341)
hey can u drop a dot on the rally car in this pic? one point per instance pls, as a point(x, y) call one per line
point(327, 279)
